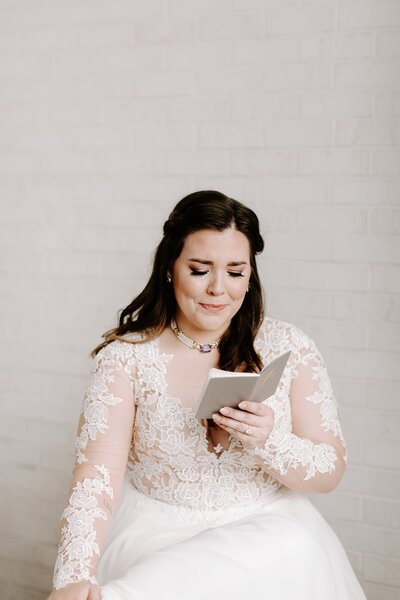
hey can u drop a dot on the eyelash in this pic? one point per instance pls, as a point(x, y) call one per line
point(231, 273)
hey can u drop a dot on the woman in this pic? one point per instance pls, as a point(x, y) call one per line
point(181, 508)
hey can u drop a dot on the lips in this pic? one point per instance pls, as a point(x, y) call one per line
point(213, 307)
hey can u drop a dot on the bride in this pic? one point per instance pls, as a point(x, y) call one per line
point(163, 505)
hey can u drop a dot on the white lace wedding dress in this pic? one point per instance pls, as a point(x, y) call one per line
point(172, 518)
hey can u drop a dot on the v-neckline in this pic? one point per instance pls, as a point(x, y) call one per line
point(188, 410)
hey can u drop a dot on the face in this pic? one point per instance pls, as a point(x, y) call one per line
point(210, 280)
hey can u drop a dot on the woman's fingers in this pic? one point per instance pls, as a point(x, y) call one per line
point(257, 408)
point(255, 418)
point(234, 424)
point(239, 423)
point(254, 413)
point(249, 441)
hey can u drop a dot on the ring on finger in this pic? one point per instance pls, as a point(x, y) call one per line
point(248, 431)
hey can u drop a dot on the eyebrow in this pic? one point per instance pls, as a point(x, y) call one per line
point(210, 262)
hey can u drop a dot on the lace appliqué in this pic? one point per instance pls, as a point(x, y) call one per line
point(324, 396)
point(95, 404)
point(284, 451)
point(170, 459)
point(78, 538)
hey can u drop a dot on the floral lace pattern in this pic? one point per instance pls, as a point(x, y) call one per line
point(78, 543)
point(78, 538)
point(169, 458)
point(167, 455)
point(284, 450)
point(96, 403)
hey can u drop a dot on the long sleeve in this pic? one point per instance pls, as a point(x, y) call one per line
point(103, 440)
point(308, 453)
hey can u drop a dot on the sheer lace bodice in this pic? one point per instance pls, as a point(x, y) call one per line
point(170, 457)
point(130, 424)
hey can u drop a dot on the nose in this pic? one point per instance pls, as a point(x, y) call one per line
point(215, 286)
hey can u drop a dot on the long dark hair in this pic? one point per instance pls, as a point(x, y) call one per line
point(152, 310)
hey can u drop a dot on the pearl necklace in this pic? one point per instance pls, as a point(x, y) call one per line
point(192, 343)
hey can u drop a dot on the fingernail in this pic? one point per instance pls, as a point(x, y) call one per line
point(224, 411)
point(242, 405)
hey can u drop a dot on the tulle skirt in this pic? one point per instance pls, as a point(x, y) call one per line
point(284, 550)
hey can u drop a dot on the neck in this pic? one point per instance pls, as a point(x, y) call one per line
point(203, 336)
point(204, 347)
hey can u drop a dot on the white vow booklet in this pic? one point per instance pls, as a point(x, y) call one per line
point(227, 388)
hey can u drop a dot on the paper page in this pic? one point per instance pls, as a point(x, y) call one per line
point(231, 388)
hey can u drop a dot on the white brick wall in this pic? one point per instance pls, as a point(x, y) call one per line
point(110, 112)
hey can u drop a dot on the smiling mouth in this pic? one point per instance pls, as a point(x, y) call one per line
point(213, 306)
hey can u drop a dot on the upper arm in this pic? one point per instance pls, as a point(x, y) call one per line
point(313, 405)
point(106, 421)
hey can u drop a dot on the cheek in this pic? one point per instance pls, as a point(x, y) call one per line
point(187, 286)
point(238, 291)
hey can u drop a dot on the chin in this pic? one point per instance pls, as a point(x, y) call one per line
point(214, 322)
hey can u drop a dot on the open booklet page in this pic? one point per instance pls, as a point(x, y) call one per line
point(226, 388)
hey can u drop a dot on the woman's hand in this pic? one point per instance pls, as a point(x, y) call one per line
point(76, 591)
point(251, 425)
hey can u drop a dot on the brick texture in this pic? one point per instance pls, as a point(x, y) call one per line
point(110, 112)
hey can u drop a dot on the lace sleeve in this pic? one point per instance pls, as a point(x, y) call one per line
point(102, 445)
point(313, 447)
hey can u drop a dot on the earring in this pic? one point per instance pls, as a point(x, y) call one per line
point(169, 278)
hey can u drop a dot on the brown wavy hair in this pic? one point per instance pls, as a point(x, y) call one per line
point(152, 310)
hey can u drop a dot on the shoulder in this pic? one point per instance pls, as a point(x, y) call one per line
point(118, 354)
point(276, 337)
point(126, 348)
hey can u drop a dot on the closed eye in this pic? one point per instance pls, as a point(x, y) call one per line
point(235, 274)
point(198, 272)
